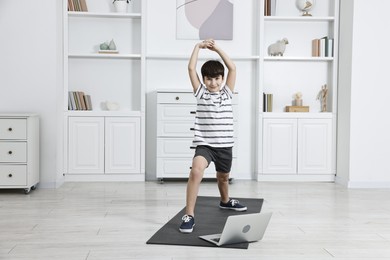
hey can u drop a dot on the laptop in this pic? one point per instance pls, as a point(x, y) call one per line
point(241, 228)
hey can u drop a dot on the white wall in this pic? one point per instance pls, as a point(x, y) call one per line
point(29, 71)
point(31, 81)
point(173, 74)
point(363, 139)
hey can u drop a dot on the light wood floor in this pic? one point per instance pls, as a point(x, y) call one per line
point(90, 221)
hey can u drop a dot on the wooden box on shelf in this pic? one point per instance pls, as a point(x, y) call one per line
point(297, 108)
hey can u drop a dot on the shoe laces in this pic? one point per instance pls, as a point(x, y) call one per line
point(234, 202)
point(186, 218)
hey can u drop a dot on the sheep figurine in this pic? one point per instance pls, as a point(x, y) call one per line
point(278, 48)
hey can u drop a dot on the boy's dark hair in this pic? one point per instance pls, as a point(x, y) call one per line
point(212, 69)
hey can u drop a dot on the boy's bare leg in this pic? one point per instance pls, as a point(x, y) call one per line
point(199, 164)
point(223, 186)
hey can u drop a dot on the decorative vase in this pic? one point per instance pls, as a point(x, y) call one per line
point(120, 6)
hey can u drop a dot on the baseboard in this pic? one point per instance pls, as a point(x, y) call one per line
point(104, 177)
point(369, 184)
point(297, 177)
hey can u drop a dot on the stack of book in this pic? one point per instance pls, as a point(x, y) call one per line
point(78, 101)
point(322, 47)
point(77, 5)
point(267, 102)
point(269, 7)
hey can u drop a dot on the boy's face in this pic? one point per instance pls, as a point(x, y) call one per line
point(213, 84)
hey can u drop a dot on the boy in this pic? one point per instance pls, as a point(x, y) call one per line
point(213, 135)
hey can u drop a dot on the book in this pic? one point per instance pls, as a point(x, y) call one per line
point(70, 5)
point(82, 102)
point(272, 8)
point(267, 102)
point(315, 48)
point(83, 6)
point(323, 46)
point(88, 103)
point(329, 48)
point(72, 102)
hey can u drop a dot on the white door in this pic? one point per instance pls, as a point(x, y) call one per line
point(279, 146)
point(314, 146)
point(123, 145)
point(86, 145)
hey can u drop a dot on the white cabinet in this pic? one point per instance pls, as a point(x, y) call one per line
point(279, 146)
point(176, 111)
point(106, 143)
point(298, 146)
point(122, 145)
point(104, 146)
point(19, 151)
point(86, 145)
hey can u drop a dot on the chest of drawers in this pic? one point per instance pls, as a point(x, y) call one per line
point(19, 151)
point(176, 112)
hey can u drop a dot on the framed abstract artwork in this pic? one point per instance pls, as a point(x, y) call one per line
point(204, 19)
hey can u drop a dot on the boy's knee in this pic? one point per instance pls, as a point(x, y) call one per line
point(196, 172)
point(223, 177)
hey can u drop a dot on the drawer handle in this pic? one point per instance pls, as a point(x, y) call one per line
point(192, 147)
point(10, 175)
point(193, 112)
point(192, 129)
point(177, 98)
point(9, 152)
point(10, 129)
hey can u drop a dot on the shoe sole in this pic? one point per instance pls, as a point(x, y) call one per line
point(235, 209)
point(187, 231)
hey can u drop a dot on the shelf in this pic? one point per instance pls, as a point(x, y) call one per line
point(105, 56)
point(297, 115)
point(299, 19)
point(279, 58)
point(187, 57)
point(104, 15)
point(118, 113)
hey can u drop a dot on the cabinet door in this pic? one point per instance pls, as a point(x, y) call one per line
point(86, 145)
point(314, 146)
point(123, 145)
point(279, 146)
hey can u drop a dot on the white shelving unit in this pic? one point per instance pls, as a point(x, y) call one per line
point(105, 77)
point(297, 146)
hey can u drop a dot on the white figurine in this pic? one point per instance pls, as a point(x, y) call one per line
point(278, 48)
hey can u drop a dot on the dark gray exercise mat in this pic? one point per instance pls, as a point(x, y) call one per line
point(209, 219)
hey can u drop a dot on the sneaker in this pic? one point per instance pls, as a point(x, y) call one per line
point(233, 205)
point(188, 224)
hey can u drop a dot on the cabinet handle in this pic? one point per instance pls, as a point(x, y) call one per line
point(192, 129)
point(177, 98)
point(10, 129)
point(9, 152)
point(192, 147)
point(10, 175)
point(193, 112)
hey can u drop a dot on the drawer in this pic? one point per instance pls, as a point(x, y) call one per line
point(174, 112)
point(176, 98)
point(180, 129)
point(13, 128)
point(181, 167)
point(13, 152)
point(178, 147)
point(13, 175)
point(175, 129)
point(182, 98)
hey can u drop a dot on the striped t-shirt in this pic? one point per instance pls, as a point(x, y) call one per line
point(214, 118)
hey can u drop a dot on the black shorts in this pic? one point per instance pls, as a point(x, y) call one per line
point(222, 157)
